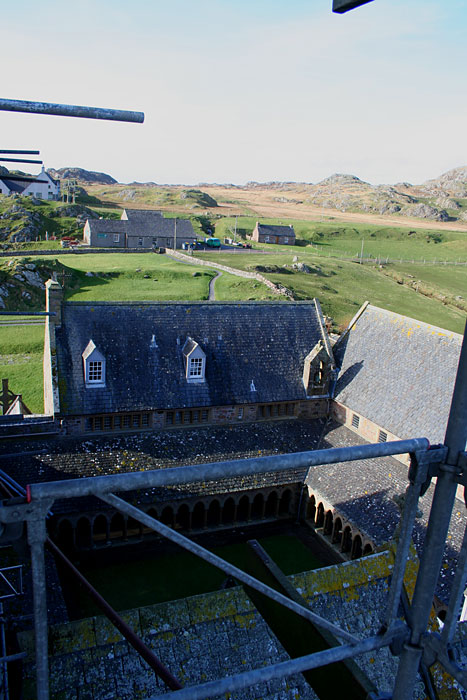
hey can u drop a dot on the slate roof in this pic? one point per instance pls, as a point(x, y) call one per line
point(399, 373)
point(276, 230)
point(158, 226)
point(144, 223)
point(12, 185)
point(107, 225)
point(140, 215)
point(263, 342)
point(363, 492)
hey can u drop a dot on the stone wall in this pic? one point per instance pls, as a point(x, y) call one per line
point(277, 289)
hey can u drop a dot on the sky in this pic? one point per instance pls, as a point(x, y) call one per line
point(241, 90)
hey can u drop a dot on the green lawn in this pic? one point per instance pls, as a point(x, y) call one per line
point(21, 352)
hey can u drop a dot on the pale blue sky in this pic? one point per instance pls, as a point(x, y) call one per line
point(236, 91)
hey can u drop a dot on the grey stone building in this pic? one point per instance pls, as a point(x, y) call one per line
point(138, 228)
point(396, 376)
point(125, 366)
point(268, 233)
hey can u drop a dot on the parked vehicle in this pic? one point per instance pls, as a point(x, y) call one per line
point(212, 242)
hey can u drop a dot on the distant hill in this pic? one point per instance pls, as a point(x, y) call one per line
point(82, 175)
point(441, 199)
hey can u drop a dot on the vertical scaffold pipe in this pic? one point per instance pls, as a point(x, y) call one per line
point(438, 525)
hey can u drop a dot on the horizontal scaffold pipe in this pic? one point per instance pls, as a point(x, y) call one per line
point(214, 471)
point(119, 115)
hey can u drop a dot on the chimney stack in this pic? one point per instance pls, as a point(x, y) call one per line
point(53, 301)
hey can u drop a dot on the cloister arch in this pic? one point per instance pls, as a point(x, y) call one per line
point(328, 523)
point(214, 513)
point(228, 511)
point(182, 518)
point(320, 515)
point(284, 502)
point(337, 531)
point(311, 508)
point(65, 535)
point(117, 526)
point(272, 502)
point(243, 510)
point(356, 550)
point(257, 507)
point(198, 520)
point(346, 539)
point(100, 529)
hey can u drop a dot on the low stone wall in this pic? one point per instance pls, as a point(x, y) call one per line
point(277, 289)
point(71, 251)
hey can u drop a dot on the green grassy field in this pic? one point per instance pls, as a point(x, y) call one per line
point(21, 351)
point(332, 239)
point(342, 286)
point(435, 294)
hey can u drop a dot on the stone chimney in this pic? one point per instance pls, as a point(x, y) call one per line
point(53, 301)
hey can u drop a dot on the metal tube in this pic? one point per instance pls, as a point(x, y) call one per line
point(403, 546)
point(226, 686)
point(229, 569)
point(20, 153)
point(96, 485)
point(19, 160)
point(120, 115)
point(28, 313)
point(457, 594)
point(438, 525)
point(120, 624)
point(36, 538)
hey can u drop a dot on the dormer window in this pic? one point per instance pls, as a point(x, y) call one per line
point(94, 366)
point(195, 361)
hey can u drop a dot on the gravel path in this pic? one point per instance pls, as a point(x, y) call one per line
point(212, 293)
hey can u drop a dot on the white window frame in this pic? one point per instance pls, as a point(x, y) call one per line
point(95, 371)
point(116, 238)
point(195, 368)
point(94, 366)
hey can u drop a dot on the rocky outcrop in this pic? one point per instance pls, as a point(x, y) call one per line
point(18, 224)
point(82, 175)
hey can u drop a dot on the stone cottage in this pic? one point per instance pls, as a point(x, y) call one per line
point(268, 233)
